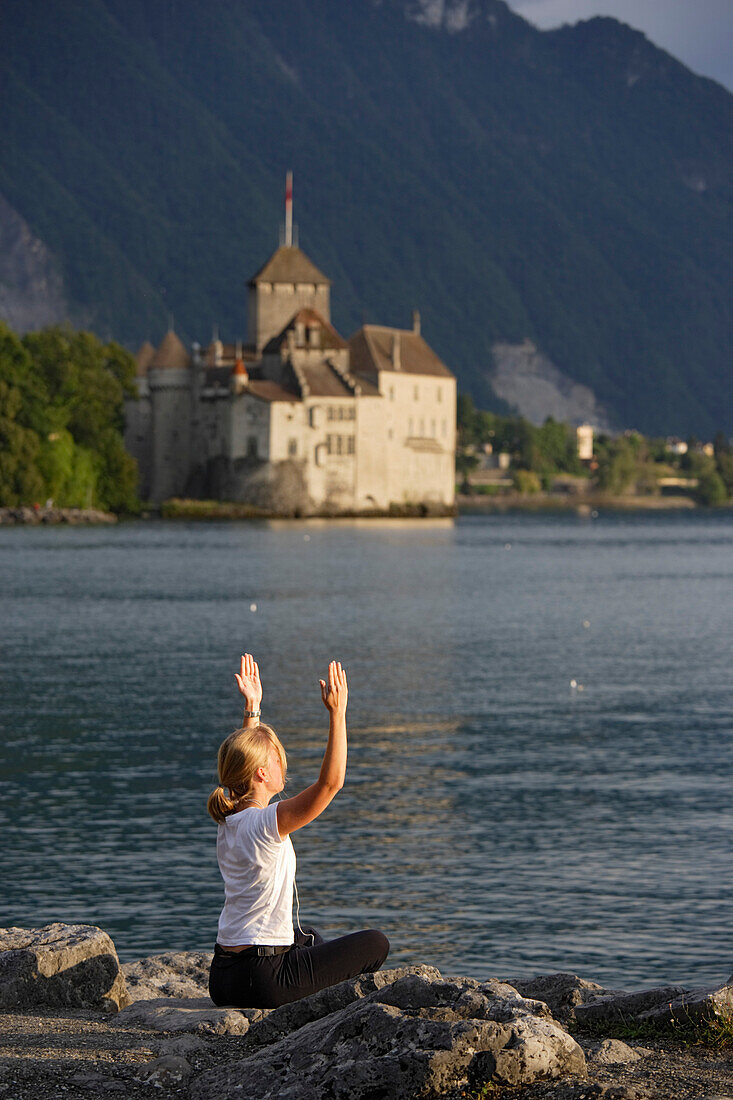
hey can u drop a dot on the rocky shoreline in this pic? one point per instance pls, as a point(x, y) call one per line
point(74, 1023)
point(35, 517)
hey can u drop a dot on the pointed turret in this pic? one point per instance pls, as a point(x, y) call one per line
point(143, 358)
point(171, 354)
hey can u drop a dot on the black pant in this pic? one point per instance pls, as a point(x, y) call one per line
point(268, 981)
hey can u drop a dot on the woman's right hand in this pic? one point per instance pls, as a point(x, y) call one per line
point(335, 693)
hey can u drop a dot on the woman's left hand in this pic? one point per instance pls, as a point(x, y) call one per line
point(249, 683)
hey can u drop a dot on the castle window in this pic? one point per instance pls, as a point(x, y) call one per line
point(444, 428)
point(440, 393)
point(252, 446)
point(391, 393)
point(351, 444)
point(432, 428)
point(417, 393)
point(331, 412)
point(339, 444)
point(292, 448)
point(314, 336)
point(422, 427)
point(411, 426)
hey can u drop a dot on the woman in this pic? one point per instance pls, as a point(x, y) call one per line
point(258, 961)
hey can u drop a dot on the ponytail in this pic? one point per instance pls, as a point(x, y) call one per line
point(220, 805)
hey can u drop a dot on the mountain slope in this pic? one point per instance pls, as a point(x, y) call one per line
point(570, 187)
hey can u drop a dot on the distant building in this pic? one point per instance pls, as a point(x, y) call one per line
point(299, 419)
point(584, 436)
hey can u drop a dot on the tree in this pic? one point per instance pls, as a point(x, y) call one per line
point(61, 420)
point(20, 479)
point(711, 489)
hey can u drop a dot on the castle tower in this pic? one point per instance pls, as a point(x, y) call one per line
point(170, 383)
point(289, 281)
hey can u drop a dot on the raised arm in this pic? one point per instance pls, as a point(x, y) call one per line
point(293, 813)
point(250, 686)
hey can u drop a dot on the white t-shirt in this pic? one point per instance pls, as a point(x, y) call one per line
point(258, 869)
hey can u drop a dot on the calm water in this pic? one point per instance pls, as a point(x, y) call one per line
point(494, 822)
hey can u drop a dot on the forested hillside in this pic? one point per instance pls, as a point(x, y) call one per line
point(572, 187)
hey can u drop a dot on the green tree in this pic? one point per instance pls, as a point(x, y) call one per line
point(618, 464)
point(61, 420)
point(20, 479)
point(711, 489)
point(526, 482)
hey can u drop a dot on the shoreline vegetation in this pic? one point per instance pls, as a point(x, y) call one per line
point(179, 509)
point(62, 396)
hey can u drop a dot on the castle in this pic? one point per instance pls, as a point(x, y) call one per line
point(298, 421)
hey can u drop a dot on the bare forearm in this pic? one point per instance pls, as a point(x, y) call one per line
point(333, 768)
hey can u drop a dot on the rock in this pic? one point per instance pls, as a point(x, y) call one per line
point(175, 974)
point(188, 1014)
point(74, 965)
point(281, 1021)
point(183, 1043)
point(88, 1080)
point(691, 1006)
point(625, 1007)
point(561, 992)
point(613, 1052)
point(168, 1070)
point(417, 1035)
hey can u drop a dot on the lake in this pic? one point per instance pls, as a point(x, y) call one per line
point(496, 820)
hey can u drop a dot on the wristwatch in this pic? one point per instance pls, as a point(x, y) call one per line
point(252, 713)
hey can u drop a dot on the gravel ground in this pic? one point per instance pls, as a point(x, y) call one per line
point(79, 1054)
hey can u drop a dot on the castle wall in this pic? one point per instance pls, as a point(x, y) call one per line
point(372, 456)
point(419, 408)
point(271, 305)
point(171, 420)
point(138, 435)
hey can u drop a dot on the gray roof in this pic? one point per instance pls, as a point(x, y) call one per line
point(371, 351)
point(270, 391)
point(289, 265)
point(329, 338)
point(324, 381)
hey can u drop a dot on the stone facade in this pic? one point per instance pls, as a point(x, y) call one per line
point(299, 420)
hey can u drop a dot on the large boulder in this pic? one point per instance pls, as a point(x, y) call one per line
point(174, 974)
point(277, 1022)
point(624, 1008)
point(73, 965)
point(418, 1035)
point(693, 1006)
point(561, 992)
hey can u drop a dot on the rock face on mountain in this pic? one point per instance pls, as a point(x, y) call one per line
point(526, 380)
point(31, 287)
point(567, 187)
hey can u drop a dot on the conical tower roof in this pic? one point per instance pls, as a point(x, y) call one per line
point(144, 357)
point(171, 353)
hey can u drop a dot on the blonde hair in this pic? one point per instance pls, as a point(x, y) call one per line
point(240, 755)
